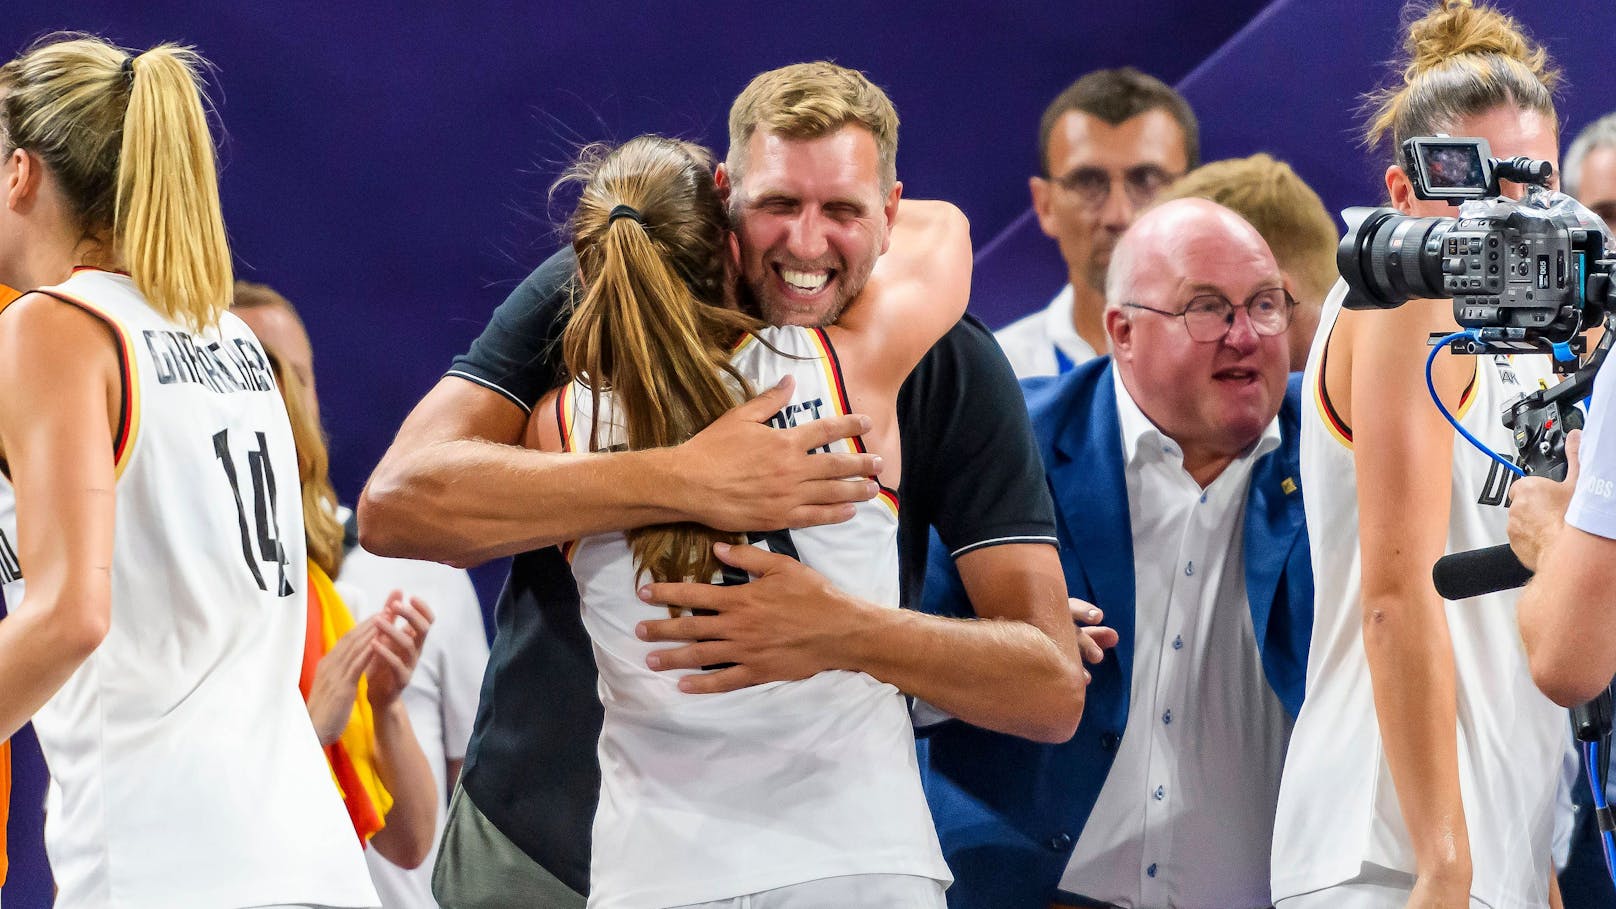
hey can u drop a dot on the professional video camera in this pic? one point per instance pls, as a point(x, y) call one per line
point(1525, 276)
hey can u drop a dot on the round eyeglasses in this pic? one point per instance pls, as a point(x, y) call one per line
point(1208, 317)
point(1091, 186)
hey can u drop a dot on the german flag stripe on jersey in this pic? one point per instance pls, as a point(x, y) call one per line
point(833, 377)
point(1339, 428)
point(123, 441)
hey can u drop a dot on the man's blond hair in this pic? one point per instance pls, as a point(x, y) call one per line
point(810, 100)
point(1284, 209)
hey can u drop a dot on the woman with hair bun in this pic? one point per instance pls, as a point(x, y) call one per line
point(151, 540)
point(1423, 767)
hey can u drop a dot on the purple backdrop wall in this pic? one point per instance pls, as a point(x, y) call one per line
point(386, 164)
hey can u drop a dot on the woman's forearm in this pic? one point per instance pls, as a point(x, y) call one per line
point(1411, 668)
point(412, 821)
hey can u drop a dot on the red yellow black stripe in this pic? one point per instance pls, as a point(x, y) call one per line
point(834, 374)
point(129, 398)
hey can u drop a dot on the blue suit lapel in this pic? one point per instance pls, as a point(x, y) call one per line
point(1091, 500)
point(1274, 521)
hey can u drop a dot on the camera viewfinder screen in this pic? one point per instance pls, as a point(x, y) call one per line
point(1453, 166)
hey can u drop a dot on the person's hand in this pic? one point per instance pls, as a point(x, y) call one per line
point(785, 624)
point(394, 651)
point(1538, 505)
point(742, 474)
point(336, 682)
point(1093, 639)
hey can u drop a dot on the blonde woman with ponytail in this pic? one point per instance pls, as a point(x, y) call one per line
point(1423, 768)
point(151, 542)
point(797, 793)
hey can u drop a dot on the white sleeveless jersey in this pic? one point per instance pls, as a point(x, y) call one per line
point(184, 769)
point(706, 797)
point(1337, 804)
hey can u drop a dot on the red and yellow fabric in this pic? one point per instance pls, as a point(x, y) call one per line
point(5, 801)
point(353, 756)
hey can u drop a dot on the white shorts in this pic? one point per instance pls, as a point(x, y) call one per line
point(854, 891)
point(1374, 888)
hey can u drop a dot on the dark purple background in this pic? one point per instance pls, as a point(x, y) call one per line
point(385, 165)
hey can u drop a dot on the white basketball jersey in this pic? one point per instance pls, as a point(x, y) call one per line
point(707, 797)
point(1337, 805)
point(184, 769)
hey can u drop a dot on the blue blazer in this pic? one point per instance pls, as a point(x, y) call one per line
point(1008, 810)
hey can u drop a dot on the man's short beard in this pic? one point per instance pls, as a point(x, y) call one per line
point(753, 304)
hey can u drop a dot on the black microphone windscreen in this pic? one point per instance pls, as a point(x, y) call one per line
point(1478, 571)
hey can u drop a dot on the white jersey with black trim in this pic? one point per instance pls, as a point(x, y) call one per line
point(184, 769)
point(708, 797)
point(1337, 806)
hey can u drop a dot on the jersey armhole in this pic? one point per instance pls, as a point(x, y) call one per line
point(838, 384)
point(123, 438)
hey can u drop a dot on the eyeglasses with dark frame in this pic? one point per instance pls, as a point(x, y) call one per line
point(1092, 185)
point(1208, 317)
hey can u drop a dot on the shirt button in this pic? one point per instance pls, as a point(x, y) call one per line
point(1160, 793)
point(1178, 642)
point(1203, 498)
point(1167, 717)
point(1189, 569)
point(1060, 842)
point(1151, 870)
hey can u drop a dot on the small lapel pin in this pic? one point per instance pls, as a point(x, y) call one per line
point(1289, 485)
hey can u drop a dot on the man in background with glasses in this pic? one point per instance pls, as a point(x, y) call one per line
point(1173, 465)
point(1106, 146)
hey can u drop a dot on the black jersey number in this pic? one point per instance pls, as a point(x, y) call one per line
point(265, 526)
point(778, 541)
point(775, 541)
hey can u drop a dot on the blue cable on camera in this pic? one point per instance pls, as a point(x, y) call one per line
point(1430, 386)
point(1590, 754)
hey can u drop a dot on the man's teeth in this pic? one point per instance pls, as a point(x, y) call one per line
point(806, 281)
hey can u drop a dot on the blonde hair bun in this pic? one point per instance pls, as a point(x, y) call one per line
point(1459, 27)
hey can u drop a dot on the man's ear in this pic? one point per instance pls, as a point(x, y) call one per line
point(889, 209)
point(722, 181)
point(1119, 329)
point(1043, 205)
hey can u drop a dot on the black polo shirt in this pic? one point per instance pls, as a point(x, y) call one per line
point(970, 469)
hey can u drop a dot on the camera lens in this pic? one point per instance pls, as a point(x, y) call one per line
point(1388, 258)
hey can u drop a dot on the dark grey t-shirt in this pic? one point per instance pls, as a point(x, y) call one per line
point(970, 469)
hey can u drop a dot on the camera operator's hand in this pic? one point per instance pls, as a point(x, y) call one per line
point(1538, 506)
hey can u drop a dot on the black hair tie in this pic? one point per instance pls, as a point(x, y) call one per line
point(128, 70)
point(625, 211)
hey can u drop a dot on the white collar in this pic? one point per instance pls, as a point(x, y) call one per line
point(1142, 437)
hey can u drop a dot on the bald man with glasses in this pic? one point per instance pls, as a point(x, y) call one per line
point(1174, 468)
point(1107, 145)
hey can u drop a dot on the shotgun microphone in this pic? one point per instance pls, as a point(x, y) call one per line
point(1475, 572)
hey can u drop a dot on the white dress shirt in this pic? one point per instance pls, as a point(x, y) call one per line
point(441, 698)
point(1185, 816)
point(1031, 341)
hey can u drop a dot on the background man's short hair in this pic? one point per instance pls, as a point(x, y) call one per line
point(1599, 134)
point(1115, 95)
point(1279, 204)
